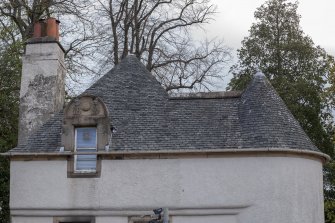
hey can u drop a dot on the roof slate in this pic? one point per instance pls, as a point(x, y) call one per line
point(145, 118)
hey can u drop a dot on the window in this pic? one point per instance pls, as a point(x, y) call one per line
point(143, 219)
point(140, 219)
point(86, 130)
point(74, 219)
point(85, 142)
point(75, 222)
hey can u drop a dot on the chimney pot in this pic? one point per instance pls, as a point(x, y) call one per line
point(46, 28)
point(52, 28)
point(57, 29)
point(37, 30)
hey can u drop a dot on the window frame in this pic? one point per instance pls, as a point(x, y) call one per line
point(75, 149)
point(85, 111)
point(71, 170)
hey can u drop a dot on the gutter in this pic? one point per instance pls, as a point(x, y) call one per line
point(324, 157)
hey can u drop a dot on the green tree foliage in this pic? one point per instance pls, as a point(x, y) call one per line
point(329, 211)
point(297, 69)
point(302, 74)
point(329, 169)
point(10, 67)
point(10, 73)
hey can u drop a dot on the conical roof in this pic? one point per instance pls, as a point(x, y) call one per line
point(127, 85)
point(266, 121)
point(136, 104)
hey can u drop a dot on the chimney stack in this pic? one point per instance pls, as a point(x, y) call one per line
point(42, 84)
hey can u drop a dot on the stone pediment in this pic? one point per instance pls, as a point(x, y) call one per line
point(86, 106)
point(85, 111)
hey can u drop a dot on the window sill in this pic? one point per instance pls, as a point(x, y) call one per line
point(85, 171)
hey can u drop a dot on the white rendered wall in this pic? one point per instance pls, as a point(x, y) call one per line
point(205, 219)
point(32, 219)
point(236, 189)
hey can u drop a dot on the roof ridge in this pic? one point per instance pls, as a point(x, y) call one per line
point(207, 95)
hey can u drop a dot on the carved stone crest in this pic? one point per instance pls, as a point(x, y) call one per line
point(85, 111)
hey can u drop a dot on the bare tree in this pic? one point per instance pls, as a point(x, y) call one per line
point(24, 13)
point(98, 34)
point(17, 18)
point(159, 33)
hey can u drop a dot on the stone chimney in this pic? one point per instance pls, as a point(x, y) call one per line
point(42, 84)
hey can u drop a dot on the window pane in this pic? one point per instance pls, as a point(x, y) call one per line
point(86, 137)
point(86, 162)
point(86, 142)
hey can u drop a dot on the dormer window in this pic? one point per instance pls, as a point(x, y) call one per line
point(85, 142)
point(86, 131)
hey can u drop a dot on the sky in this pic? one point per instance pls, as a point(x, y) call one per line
point(235, 17)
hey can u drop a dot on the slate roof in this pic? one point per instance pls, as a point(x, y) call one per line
point(146, 118)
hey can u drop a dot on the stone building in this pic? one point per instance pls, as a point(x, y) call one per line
point(124, 147)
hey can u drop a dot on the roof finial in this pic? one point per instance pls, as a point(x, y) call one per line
point(259, 73)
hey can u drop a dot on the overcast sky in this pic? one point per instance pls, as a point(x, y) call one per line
point(235, 17)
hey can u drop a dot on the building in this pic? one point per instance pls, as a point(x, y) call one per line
point(124, 147)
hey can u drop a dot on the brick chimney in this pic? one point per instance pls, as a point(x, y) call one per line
point(42, 84)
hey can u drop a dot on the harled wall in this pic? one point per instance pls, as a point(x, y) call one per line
point(226, 190)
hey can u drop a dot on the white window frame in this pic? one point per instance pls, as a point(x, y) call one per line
point(75, 148)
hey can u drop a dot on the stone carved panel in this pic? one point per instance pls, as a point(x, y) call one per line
point(86, 106)
point(85, 111)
